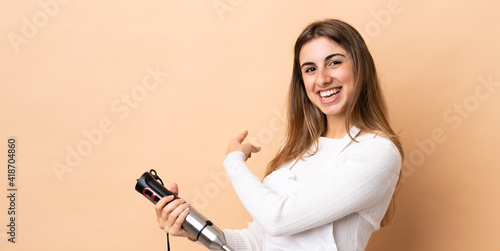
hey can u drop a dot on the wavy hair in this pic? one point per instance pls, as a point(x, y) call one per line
point(366, 108)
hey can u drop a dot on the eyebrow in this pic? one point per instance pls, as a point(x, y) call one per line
point(326, 59)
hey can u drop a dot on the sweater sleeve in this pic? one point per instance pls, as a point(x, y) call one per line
point(249, 239)
point(360, 178)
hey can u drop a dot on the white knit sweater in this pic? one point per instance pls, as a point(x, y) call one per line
point(350, 190)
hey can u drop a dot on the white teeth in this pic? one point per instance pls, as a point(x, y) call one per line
point(325, 93)
point(329, 92)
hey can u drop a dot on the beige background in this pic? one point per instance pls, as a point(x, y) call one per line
point(74, 68)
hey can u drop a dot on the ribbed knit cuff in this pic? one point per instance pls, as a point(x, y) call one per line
point(234, 163)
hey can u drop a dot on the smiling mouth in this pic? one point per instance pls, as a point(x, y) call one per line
point(330, 94)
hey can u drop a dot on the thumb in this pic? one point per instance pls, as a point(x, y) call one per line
point(241, 136)
point(174, 188)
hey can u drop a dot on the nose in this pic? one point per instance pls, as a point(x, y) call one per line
point(323, 78)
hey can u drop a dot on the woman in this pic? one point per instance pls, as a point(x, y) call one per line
point(332, 183)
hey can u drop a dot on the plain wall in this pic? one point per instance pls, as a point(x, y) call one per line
point(98, 92)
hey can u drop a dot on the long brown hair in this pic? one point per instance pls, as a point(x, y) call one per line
point(366, 109)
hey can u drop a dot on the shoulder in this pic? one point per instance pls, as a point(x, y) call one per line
point(372, 140)
point(374, 147)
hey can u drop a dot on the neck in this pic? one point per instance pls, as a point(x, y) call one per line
point(335, 127)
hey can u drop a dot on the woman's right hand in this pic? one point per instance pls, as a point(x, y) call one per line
point(171, 216)
point(236, 144)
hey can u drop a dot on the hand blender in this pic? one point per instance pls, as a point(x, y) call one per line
point(195, 223)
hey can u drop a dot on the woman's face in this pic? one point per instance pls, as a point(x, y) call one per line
point(328, 75)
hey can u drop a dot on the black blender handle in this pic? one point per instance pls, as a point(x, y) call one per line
point(148, 186)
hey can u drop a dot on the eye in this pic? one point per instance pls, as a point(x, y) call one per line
point(334, 63)
point(310, 69)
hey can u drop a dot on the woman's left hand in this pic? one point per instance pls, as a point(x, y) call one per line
point(237, 145)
